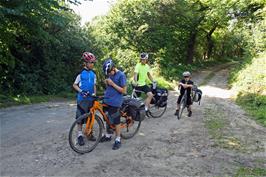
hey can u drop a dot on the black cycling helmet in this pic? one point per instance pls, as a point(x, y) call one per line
point(108, 65)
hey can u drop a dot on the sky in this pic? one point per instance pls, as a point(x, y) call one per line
point(89, 9)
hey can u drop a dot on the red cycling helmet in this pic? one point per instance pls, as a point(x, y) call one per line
point(88, 57)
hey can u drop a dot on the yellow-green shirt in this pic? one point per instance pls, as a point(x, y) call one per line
point(142, 71)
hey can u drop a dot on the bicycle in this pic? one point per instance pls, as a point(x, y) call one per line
point(183, 105)
point(157, 108)
point(93, 125)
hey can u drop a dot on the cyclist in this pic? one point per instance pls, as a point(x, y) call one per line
point(186, 84)
point(85, 83)
point(113, 97)
point(141, 73)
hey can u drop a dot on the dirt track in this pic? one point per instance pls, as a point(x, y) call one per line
point(34, 141)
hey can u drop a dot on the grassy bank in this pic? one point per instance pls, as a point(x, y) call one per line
point(6, 101)
point(249, 81)
point(249, 171)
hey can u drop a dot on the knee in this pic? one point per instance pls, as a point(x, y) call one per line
point(150, 95)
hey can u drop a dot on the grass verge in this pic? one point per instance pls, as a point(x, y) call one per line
point(249, 171)
point(218, 129)
point(6, 101)
point(249, 81)
point(254, 104)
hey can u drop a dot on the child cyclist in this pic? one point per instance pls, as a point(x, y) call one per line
point(186, 84)
point(85, 84)
point(113, 97)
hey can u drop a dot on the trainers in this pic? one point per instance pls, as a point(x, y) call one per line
point(92, 138)
point(176, 112)
point(80, 141)
point(116, 145)
point(104, 139)
point(189, 114)
point(148, 113)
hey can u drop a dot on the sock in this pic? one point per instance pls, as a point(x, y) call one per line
point(146, 108)
point(80, 133)
point(108, 135)
point(118, 139)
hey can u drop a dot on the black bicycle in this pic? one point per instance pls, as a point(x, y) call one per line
point(183, 105)
point(158, 102)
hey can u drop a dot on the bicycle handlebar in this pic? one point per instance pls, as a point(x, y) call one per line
point(96, 97)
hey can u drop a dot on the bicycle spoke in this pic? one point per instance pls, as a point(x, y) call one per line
point(129, 127)
point(91, 137)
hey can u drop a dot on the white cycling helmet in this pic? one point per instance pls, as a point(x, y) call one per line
point(144, 56)
point(186, 74)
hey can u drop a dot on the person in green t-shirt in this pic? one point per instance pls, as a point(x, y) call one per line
point(141, 74)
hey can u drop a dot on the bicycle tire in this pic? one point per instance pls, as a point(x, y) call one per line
point(153, 114)
point(182, 107)
point(130, 135)
point(85, 149)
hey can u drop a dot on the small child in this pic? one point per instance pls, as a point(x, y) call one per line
point(186, 84)
point(85, 84)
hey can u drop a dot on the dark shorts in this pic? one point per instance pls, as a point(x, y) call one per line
point(189, 101)
point(113, 114)
point(83, 107)
point(143, 88)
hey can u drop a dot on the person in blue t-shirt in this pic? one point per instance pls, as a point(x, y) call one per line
point(113, 97)
point(85, 84)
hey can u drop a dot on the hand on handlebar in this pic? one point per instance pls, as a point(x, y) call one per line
point(84, 93)
point(134, 83)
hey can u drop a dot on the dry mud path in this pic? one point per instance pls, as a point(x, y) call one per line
point(217, 140)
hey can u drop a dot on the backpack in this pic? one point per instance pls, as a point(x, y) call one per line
point(161, 97)
point(196, 94)
point(134, 107)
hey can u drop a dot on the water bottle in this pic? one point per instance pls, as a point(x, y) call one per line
point(154, 85)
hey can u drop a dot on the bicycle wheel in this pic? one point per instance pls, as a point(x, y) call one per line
point(156, 111)
point(89, 144)
point(129, 127)
point(182, 107)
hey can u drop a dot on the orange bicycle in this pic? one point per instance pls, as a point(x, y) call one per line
point(93, 124)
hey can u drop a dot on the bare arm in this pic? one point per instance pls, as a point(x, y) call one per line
point(187, 85)
point(135, 77)
point(76, 87)
point(149, 76)
point(95, 89)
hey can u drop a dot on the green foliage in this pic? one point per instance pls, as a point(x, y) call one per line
point(41, 41)
point(180, 34)
point(250, 76)
point(40, 47)
point(249, 81)
point(255, 104)
point(249, 171)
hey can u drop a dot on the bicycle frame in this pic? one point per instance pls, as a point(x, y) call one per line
point(97, 106)
point(134, 93)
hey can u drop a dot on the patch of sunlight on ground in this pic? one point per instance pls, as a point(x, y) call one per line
point(71, 104)
point(211, 91)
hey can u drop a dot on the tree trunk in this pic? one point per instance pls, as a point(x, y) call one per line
point(191, 47)
point(210, 44)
